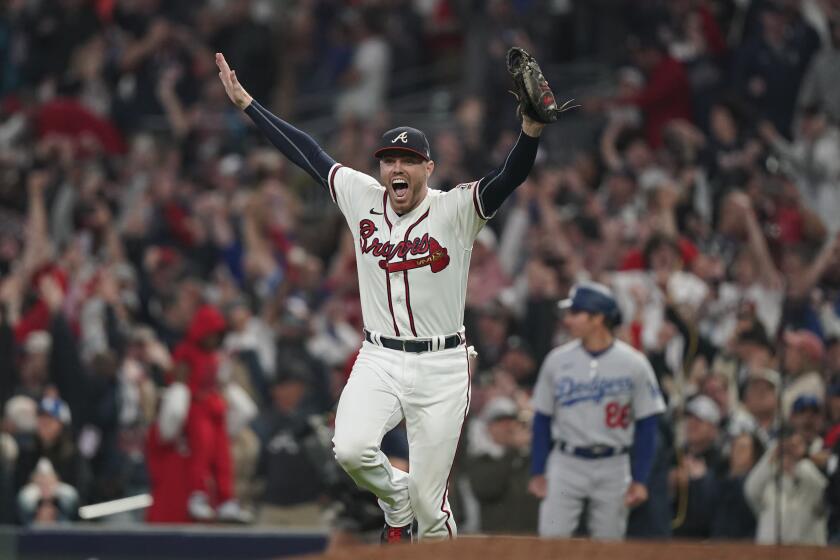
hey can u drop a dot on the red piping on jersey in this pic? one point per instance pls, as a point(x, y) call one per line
point(408, 304)
point(475, 202)
point(385, 210)
point(332, 181)
point(391, 305)
point(387, 273)
point(405, 274)
point(460, 433)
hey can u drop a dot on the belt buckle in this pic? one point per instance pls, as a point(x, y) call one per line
point(599, 449)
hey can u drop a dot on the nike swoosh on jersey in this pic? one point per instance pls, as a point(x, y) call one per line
point(374, 212)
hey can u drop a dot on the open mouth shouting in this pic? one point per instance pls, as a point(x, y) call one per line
point(400, 187)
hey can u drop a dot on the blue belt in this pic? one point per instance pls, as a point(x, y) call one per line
point(591, 452)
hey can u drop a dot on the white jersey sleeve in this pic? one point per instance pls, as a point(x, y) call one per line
point(647, 398)
point(353, 191)
point(464, 210)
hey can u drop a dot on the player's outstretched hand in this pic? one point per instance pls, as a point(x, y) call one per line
point(538, 486)
point(636, 495)
point(233, 88)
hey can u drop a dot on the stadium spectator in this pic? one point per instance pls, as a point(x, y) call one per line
point(832, 443)
point(498, 469)
point(733, 519)
point(802, 494)
point(807, 419)
point(814, 90)
point(761, 403)
point(199, 363)
point(769, 67)
point(291, 494)
point(803, 355)
point(53, 441)
point(810, 158)
point(46, 499)
point(694, 480)
point(666, 95)
point(365, 82)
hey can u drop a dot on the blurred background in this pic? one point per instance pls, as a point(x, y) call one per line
point(146, 231)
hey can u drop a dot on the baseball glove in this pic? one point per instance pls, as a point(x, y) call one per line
point(536, 100)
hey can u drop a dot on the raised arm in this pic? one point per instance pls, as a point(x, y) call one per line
point(803, 283)
point(299, 147)
point(497, 185)
point(770, 276)
point(38, 248)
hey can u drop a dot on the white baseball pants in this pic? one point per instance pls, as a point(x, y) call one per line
point(431, 391)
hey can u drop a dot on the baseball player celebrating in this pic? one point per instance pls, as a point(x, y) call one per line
point(596, 400)
point(413, 246)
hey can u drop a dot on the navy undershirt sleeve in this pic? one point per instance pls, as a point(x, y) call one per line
point(299, 147)
point(497, 185)
point(644, 447)
point(540, 443)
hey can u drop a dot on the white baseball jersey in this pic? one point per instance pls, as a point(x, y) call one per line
point(595, 399)
point(412, 268)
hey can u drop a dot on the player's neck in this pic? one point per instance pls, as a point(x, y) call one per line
point(597, 342)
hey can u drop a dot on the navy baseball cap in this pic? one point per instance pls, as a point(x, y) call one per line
point(591, 297)
point(807, 402)
point(406, 139)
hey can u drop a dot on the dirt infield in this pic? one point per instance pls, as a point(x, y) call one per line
point(513, 548)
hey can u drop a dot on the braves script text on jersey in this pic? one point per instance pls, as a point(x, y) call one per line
point(414, 265)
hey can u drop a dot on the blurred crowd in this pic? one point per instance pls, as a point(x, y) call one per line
point(180, 306)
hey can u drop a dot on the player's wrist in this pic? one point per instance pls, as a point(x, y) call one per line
point(532, 128)
point(246, 102)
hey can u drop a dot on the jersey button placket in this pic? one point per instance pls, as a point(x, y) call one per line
point(397, 284)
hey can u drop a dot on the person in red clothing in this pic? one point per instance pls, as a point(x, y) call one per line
point(167, 462)
point(209, 476)
point(666, 95)
point(67, 116)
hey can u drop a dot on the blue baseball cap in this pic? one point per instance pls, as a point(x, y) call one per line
point(55, 407)
point(591, 297)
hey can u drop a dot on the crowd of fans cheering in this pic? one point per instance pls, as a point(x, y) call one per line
point(146, 229)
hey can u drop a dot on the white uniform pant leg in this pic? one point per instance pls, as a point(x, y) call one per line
point(568, 487)
point(369, 407)
point(607, 512)
point(435, 405)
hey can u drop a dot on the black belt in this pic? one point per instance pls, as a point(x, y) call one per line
point(593, 451)
point(417, 345)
